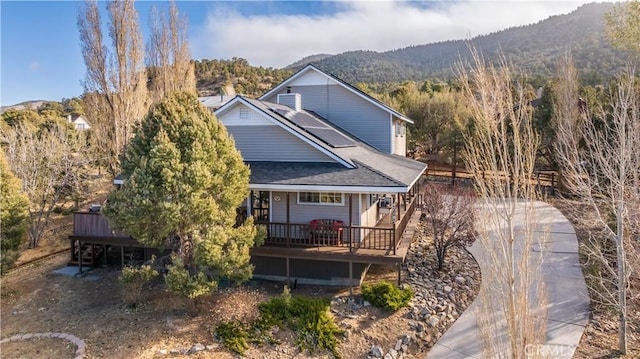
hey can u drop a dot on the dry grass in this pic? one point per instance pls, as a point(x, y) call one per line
point(600, 339)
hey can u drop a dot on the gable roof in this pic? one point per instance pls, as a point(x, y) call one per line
point(359, 166)
point(283, 122)
point(344, 84)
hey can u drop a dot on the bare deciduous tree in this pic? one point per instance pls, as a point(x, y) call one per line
point(449, 218)
point(116, 81)
point(168, 56)
point(49, 163)
point(600, 158)
point(501, 154)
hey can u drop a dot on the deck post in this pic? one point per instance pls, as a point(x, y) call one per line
point(121, 256)
point(399, 272)
point(393, 234)
point(80, 258)
point(288, 274)
point(351, 278)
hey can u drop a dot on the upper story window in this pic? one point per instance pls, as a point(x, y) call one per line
point(80, 126)
point(324, 198)
point(244, 113)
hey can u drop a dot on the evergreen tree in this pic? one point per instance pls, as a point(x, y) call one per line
point(183, 181)
point(14, 210)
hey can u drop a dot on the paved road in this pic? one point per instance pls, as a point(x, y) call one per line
point(567, 299)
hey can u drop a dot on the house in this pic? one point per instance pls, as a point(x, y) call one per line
point(79, 122)
point(329, 179)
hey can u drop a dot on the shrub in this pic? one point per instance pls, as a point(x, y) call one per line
point(132, 281)
point(308, 317)
point(386, 295)
point(234, 336)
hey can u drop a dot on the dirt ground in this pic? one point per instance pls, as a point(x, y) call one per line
point(35, 300)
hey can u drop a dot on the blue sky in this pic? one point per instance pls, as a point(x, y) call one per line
point(40, 53)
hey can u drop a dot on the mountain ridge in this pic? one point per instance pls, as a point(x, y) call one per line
point(533, 48)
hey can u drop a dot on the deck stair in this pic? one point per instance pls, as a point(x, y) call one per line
point(89, 254)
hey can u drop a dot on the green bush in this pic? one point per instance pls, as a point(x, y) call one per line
point(386, 295)
point(132, 281)
point(308, 317)
point(234, 336)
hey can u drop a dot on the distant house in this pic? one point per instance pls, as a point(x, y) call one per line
point(329, 180)
point(215, 102)
point(79, 122)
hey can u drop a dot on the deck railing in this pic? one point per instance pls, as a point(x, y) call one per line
point(401, 225)
point(352, 237)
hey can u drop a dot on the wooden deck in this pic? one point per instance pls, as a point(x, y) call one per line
point(382, 244)
point(344, 253)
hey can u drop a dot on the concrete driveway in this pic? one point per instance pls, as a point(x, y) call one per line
point(567, 296)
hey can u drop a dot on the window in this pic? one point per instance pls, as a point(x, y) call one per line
point(244, 113)
point(80, 126)
point(403, 130)
point(326, 198)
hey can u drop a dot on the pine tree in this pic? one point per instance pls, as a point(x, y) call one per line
point(183, 181)
point(14, 211)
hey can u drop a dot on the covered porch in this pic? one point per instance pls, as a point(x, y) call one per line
point(357, 222)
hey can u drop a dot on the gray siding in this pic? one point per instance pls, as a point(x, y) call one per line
point(348, 111)
point(303, 213)
point(272, 143)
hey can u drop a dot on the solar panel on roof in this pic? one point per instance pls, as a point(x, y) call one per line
point(305, 120)
point(316, 127)
point(332, 137)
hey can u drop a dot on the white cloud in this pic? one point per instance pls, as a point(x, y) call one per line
point(269, 40)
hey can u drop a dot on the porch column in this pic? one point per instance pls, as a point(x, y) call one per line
point(399, 208)
point(350, 220)
point(249, 200)
point(288, 224)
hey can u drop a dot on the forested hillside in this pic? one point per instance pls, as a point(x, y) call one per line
point(214, 75)
point(534, 48)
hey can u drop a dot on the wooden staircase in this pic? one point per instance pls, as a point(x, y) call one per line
point(88, 254)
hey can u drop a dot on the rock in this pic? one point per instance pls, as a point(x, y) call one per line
point(447, 288)
point(366, 304)
point(196, 348)
point(433, 321)
point(398, 346)
point(376, 351)
point(419, 328)
point(392, 353)
point(163, 351)
point(460, 280)
point(407, 339)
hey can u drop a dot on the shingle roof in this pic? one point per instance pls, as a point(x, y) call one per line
point(317, 174)
point(370, 167)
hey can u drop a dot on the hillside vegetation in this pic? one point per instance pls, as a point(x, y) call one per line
point(534, 48)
